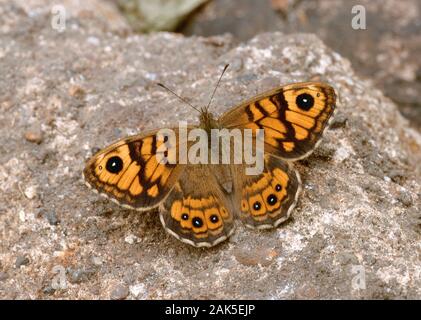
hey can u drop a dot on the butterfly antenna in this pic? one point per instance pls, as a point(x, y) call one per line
point(181, 98)
point(216, 87)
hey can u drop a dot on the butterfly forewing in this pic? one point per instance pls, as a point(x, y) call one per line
point(293, 117)
point(129, 173)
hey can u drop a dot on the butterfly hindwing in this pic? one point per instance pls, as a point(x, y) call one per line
point(129, 173)
point(198, 211)
point(293, 117)
point(266, 200)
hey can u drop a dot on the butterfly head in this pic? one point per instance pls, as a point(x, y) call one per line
point(207, 120)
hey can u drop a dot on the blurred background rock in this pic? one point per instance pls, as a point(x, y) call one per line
point(387, 52)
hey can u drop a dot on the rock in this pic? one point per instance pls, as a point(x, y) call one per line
point(339, 121)
point(92, 9)
point(405, 198)
point(30, 192)
point(34, 135)
point(48, 290)
point(3, 276)
point(119, 292)
point(348, 220)
point(76, 91)
point(80, 275)
point(156, 15)
point(260, 256)
point(138, 290)
point(307, 292)
point(131, 239)
point(21, 261)
point(52, 218)
point(97, 261)
point(346, 258)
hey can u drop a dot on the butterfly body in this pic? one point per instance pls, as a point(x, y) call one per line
point(199, 203)
point(208, 121)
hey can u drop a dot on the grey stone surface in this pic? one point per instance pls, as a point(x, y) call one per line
point(87, 86)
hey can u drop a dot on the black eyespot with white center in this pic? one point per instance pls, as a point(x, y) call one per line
point(305, 101)
point(257, 205)
point(214, 218)
point(278, 187)
point(272, 199)
point(185, 216)
point(197, 222)
point(114, 165)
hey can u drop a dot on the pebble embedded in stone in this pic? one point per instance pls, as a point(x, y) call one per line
point(30, 192)
point(339, 121)
point(119, 292)
point(405, 198)
point(253, 257)
point(34, 136)
point(76, 91)
point(3, 276)
point(52, 218)
point(97, 261)
point(48, 290)
point(131, 239)
point(137, 289)
point(80, 275)
point(21, 261)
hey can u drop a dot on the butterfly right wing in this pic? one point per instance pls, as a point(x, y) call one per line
point(293, 117)
point(266, 200)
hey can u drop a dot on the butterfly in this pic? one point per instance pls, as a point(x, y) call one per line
point(199, 203)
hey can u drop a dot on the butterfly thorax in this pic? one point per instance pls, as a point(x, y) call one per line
point(207, 121)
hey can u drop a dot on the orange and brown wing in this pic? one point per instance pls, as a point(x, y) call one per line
point(266, 200)
point(293, 117)
point(198, 211)
point(129, 173)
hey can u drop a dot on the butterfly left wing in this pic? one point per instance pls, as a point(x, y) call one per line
point(293, 117)
point(198, 210)
point(266, 200)
point(128, 172)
